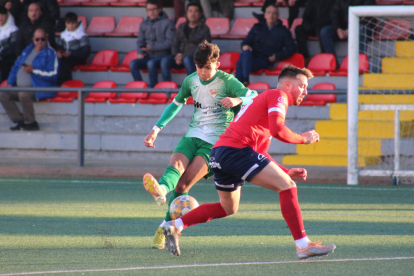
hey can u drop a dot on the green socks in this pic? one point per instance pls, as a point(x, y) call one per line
point(173, 196)
point(170, 178)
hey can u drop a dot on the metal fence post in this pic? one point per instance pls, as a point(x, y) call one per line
point(81, 129)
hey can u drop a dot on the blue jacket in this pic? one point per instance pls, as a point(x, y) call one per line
point(45, 70)
point(264, 42)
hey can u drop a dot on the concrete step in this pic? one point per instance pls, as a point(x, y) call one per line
point(388, 81)
point(328, 160)
point(339, 112)
point(339, 147)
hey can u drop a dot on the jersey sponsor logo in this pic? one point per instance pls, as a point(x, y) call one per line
point(214, 165)
point(213, 92)
point(282, 100)
point(261, 157)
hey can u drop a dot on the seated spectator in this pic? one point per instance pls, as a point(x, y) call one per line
point(8, 39)
point(188, 36)
point(50, 9)
point(266, 43)
point(34, 20)
point(339, 28)
point(156, 34)
point(314, 19)
point(73, 47)
point(37, 66)
point(15, 7)
point(224, 7)
point(293, 5)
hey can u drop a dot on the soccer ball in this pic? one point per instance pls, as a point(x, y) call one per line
point(182, 205)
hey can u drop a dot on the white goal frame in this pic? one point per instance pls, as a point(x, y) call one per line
point(353, 91)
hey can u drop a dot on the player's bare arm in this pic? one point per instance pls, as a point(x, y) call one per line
point(296, 173)
point(229, 102)
point(150, 138)
point(310, 137)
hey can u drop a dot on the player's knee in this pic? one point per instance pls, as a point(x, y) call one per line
point(230, 210)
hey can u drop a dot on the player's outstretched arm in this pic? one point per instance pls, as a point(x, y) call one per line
point(310, 137)
point(150, 138)
point(296, 173)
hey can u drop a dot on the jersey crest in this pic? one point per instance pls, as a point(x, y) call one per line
point(213, 92)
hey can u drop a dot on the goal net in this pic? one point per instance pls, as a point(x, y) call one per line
point(381, 99)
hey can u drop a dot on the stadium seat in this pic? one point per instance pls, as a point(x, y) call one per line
point(246, 3)
point(320, 99)
point(296, 59)
point(296, 22)
point(129, 3)
point(172, 96)
point(132, 97)
point(389, 2)
point(218, 26)
point(343, 69)
point(408, 2)
point(190, 100)
point(100, 25)
point(102, 61)
point(124, 67)
point(72, 2)
point(67, 97)
point(240, 28)
point(228, 61)
point(101, 97)
point(180, 21)
point(82, 19)
point(285, 22)
point(321, 64)
point(3, 83)
point(98, 2)
point(127, 26)
point(395, 28)
point(259, 86)
point(159, 98)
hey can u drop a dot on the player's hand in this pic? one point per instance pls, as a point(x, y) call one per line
point(342, 34)
point(297, 173)
point(310, 137)
point(272, 58)
point(228, 102)
point(28, 68)
point(247, 47)
point(140, 56)
point(149, 140)
point(179, 58)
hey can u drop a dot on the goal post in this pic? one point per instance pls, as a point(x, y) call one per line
point(380, 15)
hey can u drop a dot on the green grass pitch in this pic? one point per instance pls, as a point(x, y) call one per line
point(105, 227)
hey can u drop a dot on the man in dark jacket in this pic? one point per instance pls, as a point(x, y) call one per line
point(37, 66)
point(339, 28)
point(50, 9)
point(155, 38)
point(314, 19)
point(188, 36)
point(266, 43)
point(35, 19)
point(8, 38)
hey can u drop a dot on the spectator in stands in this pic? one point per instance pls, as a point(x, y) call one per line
point(188, 36)
point(266, 43)
point(339, 28)
point(15, 7)
point(73, 47)
point(156, 34)
point(30, 23)
point(224, 7)
point(50, 9)
point(8, 38)
point(293, 5)
point(37, 66)
point(314, 19)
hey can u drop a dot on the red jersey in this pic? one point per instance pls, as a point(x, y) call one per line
point(258, 121)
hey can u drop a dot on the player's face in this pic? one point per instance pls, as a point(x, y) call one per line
point(207, 72)
point(299, 89)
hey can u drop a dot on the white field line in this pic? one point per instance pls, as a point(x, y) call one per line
point(358, 188)
point(200, 265)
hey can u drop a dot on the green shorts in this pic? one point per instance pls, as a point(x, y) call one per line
point(190, 147)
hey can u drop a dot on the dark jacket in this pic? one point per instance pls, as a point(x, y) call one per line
point(77, 42)
point(264, 42)
point(315, 15)
point(159, 33)
point(339, 13)
point(27, 29)
point(186, 39)
point(45, 69)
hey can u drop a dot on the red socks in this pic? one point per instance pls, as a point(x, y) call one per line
point(290, 208)
point(203, 213)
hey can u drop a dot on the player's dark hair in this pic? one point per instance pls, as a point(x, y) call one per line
point(291, 71)
point(3, 10)
point(71, 17)
point(206, 53)
point(195, 4)
point(154, 2)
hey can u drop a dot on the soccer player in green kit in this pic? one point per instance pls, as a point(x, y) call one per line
point(218, 97)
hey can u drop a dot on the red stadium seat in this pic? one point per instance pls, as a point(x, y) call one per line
point(100, 25)
point(246, 3)
point(320, 99)
point(218, 26)
point(259, 86)
point(190, 100)
point(98, 2)
point(159, 98)
point(240, 28)
point(124, 67)
point(82, 19)
point(132, 97)
point(228, 61)
point(389, 2)
point(296, 59)
point(72, 2)
point(285, 22)
point(172, 96)
point(3, 83)
point(321, 64)
point(180, 21)
point(101, 97)
point(343, 69)
point(129, 3)
point(127, 26)
point(395, 28)
point(102, 61)
point(65, 97)
point(408, 2)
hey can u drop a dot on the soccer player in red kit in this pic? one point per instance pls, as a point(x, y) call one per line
point(241, 155)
